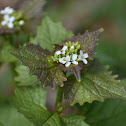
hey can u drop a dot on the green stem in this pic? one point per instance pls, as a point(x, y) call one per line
point(59, 98)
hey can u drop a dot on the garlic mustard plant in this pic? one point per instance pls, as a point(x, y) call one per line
point(11, 18)
point(70, 54)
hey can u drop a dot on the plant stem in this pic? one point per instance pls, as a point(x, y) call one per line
point(59, 98)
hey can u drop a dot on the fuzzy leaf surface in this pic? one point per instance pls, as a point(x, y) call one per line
point(87, 41)
point(38, 61)
point(31, 103)
point(24, 78)
point(50, 33)
point(97, 84)
point(75, 120)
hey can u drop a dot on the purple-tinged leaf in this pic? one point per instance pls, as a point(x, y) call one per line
point(87, 41)
point(40, 64)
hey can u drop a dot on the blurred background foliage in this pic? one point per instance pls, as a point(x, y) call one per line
point(78, 16)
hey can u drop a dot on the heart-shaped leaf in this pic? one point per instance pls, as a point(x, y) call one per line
point(97, 84)
point(40, 64)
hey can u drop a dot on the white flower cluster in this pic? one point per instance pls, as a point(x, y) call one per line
point(8, 18)
point(70, 55)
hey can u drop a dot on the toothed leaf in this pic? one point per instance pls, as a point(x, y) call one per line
point(40, 64)
point(97, 83)
point(75, 120)
point(31, 103)
point(76, 70)
point(87, 41)
point(50, 33)
point(24, 78)
point(54, 120)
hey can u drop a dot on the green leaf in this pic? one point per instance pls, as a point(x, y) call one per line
point(31, 103)
point(38, 60)
point(54, 120)
point(10, 117)
point(50, 33)
point(97, 84)
point(24, 78)
point(87, 41)
point(5, 56)
point(75, 120)
point(112, 112)
point(31, 8)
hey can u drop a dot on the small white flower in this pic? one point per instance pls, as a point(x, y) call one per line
point(21, 22)
point(8, 10)
point(67, 61)
point(72, 47)
point(10, 25)
point(75, 62)
point(74, 57)
point(58, 52)
point(2, 12)
point(83, 57)
point(62, 60)
point(64, 49)
point(3, 23)
point(67, 64)
point(6, 17)
point(12, 19)
point(11, 10)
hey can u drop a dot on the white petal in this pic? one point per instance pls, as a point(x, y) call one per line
point(21, 22)
point(6, 17)
point(2, 12)
point(85, 55)
point(10, 11)
point(80, 58)
point(81, 52)
point(62, 60)
point(10, 25)
point(63, 52)
point(58, 52)
point(3, 23)
point(85, 61)
point(75, 62)
point(67, 64)
point(74, 57)
point(67, 58)
point(64, 48)
point(7, 9)
point(72, 47)
point(12, 19)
